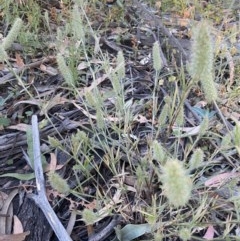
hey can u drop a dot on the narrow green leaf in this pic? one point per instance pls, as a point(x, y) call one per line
point(19, 176)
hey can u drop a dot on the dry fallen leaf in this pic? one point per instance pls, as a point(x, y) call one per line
point(14, 237)
point(53, 163)
point(17, 225)
point(49, 70)
point(19, 127)
point(56, 100)
point(6, 223)
point(209, 233)
point(220, 179)
point(19, 60)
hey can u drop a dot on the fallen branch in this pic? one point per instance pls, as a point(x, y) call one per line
point(41, 199)
point(107, 230)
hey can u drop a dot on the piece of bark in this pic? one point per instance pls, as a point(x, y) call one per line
point(33, 220)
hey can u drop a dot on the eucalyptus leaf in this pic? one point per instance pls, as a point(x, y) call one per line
point(202, 112)
point(4, 121)
point(132, 231)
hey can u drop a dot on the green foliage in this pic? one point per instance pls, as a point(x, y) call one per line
point(130, 160)
point(131, 231)
point(175, 5)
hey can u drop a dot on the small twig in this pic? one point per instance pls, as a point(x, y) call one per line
point(107, 230)
point(225, 122)
point(41, 199)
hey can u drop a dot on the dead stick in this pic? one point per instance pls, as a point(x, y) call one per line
point(107, 230)
point(41, 199)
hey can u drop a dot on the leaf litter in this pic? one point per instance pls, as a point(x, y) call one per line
point(92, 179)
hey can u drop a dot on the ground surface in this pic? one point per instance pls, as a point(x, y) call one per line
point(100, 132)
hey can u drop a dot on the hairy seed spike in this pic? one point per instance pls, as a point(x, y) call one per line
point(13, 33)
point(3, 54)
point(120, 65)
point(185, 234)
point(177, 185)
point(159, 153)
point(77, 24)
point(58, 183)
point(201, 64)
point(196, 159)
point(65, 71)
point(157, 60)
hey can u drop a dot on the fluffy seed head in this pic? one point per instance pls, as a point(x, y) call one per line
point(13, 33)
point(58, 183)
point(201, 64)
point(209, 87)
point(3, 54)
point(202, 51)
point(158, 152)
point(77, 24)
point(177, 185)
point(204, 126)
point(164, 114)
point(120, 65)
point(89, 217)
point(157, 61)
point(65, 70)
point(196, 159)
point(185, 234)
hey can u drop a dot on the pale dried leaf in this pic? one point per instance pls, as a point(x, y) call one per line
point(3, 198)
point(17, 225)
point(14, 237)
point(220, 179)
point(5, 211)
point(19, 127)
point(53, 162)
point(209, 233)
point(187, 131)
point(71, 222)
point(82, 66)
point(48, 70)
point(141, 119)
point(56, 100)
point(19, 60)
